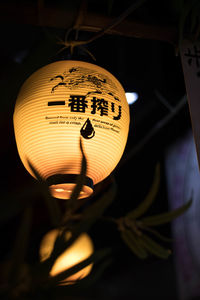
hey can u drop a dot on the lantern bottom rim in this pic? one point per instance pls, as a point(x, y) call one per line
point(62, 185)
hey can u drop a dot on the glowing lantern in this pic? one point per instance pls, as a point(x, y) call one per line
point(80, 250)
point(61, 102)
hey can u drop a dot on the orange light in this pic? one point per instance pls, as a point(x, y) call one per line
point(61, 102)
point(80, 250)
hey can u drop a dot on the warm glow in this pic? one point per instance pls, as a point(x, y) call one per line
point(80, 250)
point(57, 105)
point(60, 190)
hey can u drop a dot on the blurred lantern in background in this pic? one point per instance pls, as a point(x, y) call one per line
point(61, 102)
point(80, 250)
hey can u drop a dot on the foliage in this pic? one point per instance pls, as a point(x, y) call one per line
point(132, 229)
point(24, 281)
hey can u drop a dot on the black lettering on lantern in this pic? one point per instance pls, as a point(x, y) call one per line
point(53, 103)
point(77, 103)
point(101, 105)
point(118, 117)
point(87, 131)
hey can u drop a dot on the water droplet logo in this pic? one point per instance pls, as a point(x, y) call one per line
point(87, 131)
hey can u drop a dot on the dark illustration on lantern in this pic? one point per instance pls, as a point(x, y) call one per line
point(88, 84)
point(87, 131)
point(79, 77)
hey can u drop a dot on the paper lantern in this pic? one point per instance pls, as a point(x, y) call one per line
point(57, 105)
point(80, 250)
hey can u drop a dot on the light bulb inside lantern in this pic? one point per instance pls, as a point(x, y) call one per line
point(80, 250)
point(59, 190)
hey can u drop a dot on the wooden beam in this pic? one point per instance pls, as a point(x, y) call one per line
point(16, 13)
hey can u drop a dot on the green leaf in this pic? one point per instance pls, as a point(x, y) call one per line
point(81, 285)
point(157, 234)
point(81, 178)
point(95, 210)
point(52, 205)
point(21, 244)
point(95, 275)
point(143, 207)
point(90, 216)
point(165, 217)
point(153, 247)
point(133, 242)
point(95, 257)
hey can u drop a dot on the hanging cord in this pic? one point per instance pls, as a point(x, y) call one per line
point(79, 20)
point(74, 43)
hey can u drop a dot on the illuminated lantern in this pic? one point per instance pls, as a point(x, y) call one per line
point(57, 105)
point(80, 250)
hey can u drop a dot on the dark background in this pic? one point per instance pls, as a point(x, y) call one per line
point(142, 65)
